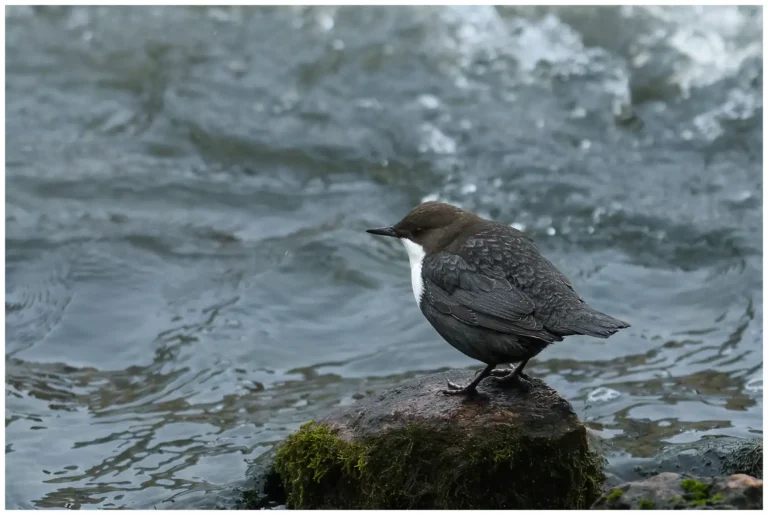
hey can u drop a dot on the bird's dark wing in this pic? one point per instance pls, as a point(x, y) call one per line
point(455, 288)
point(514, 257)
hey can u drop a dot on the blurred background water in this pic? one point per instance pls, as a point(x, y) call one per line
point(187, 274)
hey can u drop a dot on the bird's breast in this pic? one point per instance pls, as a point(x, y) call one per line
point(415, 258)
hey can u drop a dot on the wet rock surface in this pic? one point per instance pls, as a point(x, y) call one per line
point(711, 457)
point(414, 447)
point(263, 489)
point(675, 491)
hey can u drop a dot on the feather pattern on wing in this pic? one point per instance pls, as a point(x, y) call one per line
point(456, 288)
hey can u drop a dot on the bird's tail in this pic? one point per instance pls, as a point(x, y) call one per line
point(593, 323)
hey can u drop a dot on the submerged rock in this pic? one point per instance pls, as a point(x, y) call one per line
point(668, 491)
point(414, 447)
point(709, 457)
point(261, 489)
point(266, 489)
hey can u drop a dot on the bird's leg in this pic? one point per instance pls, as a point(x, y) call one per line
point(516, 376)
point(471, 388)
point(502, 372)
point(517, 370)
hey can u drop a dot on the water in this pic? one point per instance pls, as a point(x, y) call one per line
point(187, 274)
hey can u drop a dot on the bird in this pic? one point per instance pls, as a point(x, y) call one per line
point(485, 287)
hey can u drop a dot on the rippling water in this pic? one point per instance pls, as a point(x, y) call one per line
point(187, 276)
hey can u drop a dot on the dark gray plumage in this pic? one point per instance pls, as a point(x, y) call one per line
point(489, 292)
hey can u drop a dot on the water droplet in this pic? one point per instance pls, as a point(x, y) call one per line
point(585, 144)
point(517, 225)
point(337, 45)
point(468, 188)
point(551, 231)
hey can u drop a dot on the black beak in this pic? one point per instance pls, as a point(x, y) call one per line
point(383, 231)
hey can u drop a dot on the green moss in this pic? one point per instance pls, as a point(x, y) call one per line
point(418, 467)
point(645, 504)
point(697, 490)
point(616, 493)
point(698, 493)
point(705, 502)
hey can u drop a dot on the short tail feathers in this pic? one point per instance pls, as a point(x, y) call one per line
point(593, 323)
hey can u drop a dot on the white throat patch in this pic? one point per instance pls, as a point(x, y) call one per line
point(416, 258)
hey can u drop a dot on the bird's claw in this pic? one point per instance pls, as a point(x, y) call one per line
point(454, 389)
point(453, 386)
point(518, 380)
point(501, 372)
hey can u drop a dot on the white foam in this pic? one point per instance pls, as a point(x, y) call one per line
point(754, 385)
point(430, 197)
point(429, 101)
point(603, 394)
point(468, 188)
point(436, 141)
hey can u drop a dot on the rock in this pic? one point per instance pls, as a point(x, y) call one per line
point(667, 491)
point(744, 457)
point(710, 457)
point(266, 489)
point(260, 490)
point(414, 447)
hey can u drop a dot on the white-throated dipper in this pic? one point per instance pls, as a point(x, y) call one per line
point(488, 291)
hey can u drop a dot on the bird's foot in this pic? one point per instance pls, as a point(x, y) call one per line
point(515, 379)
point(455, 389)
point(504, 372)
point(501, 372)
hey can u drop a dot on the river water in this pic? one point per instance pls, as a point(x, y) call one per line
point(187, 274)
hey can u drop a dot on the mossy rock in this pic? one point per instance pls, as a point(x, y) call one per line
point(669, 491)
point(414, 447)
point(746, 458)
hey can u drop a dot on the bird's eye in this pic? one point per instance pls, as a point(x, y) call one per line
point(417, 230)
